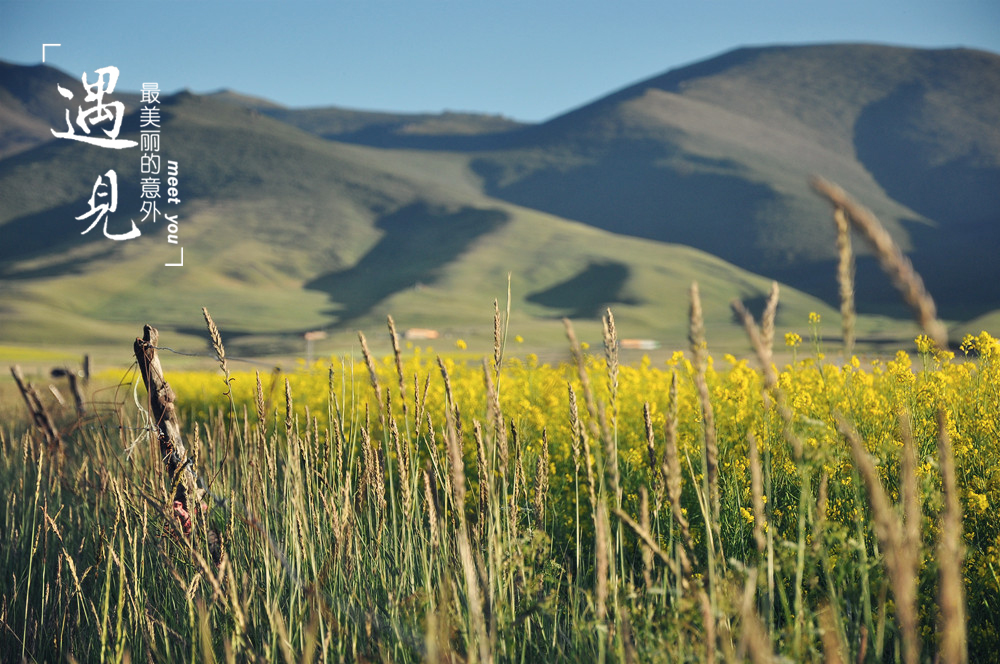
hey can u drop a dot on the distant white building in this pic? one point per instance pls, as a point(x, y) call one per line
point(420, 334)
point(639, 344)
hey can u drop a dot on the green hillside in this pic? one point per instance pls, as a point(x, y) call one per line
point(713, 156)
point(286, 231)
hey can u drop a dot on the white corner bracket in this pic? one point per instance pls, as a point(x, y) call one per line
point(181, 264)
point(43, 49)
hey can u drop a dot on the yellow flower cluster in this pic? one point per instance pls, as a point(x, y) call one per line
point(534, 397)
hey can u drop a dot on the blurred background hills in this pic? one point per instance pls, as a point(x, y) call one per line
point(330, 218)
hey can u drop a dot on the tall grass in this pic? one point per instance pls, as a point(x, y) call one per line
point(592, 511)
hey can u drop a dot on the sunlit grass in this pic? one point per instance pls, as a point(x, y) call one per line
point(343, 539)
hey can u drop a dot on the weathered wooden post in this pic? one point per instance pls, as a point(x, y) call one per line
point(183, 478)
point(41, 418)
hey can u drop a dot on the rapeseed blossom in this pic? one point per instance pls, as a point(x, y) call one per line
point(533, 397)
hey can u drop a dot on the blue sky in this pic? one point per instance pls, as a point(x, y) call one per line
point(529, 60)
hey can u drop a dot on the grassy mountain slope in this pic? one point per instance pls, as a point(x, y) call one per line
point(714, 155)
point(31, 106)
point(436, 131)
point(286, 231)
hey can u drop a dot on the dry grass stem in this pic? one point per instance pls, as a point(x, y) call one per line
point(909, 490)
point(771, 388)
point(470, 573)
point(845, 278)
point(399, 361)
point(430, 504)
point(895, 264)
point(610, 439)
point(542, 479)
point(648, 541)
point(647, 553)
point(216, 337)
point(951, 554)
point(672, 466)
point(655, 468)
point(902, 556)
point(603, 552)
point(598, 421)
point(497, 337)
point(373, 376)
point(757, 492)
point(496, 419)
point(402, 466)
point(699, 348)
point(520, 479)
point(289, 411)
point(482, 468)
point(769, 317)
point(754, 639)
point(708, 625)
point(832, 651)
point(580, 439)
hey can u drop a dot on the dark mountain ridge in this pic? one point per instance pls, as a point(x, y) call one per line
point(715, 155)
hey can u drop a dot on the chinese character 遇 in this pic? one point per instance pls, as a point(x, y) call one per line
point(100, 112)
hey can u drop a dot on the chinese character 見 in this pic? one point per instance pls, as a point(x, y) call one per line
point(109, 203)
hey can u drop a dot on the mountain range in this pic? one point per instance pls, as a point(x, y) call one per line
point(329, 218)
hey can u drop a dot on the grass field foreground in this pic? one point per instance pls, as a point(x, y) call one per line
point(420, 509)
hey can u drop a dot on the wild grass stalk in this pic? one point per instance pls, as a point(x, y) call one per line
point(845, 279)
point(770, 375)
point(542, 480)
point(757, 493)
point(398, 357)
point(373, 376)
point(581, 443)
point(710, 455)
point(655, 475)
point(598, 422)
point(895, 264)
point(901, 552)
point(480, 637)
point(349, 539)
point(951, 592)
point(611, 437)
point(672, 471)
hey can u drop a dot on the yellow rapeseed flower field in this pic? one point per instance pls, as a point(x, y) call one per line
point(871, 394)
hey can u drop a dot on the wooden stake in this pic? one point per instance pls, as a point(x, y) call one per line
point(162, 410)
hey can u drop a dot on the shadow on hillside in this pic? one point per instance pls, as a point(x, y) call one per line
point(388, 137)
point(943, 173)
point(897, 142)
point(959, 292)
point(54, 232)
point(588, 293)
point(629, 190)
point(419, 240)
